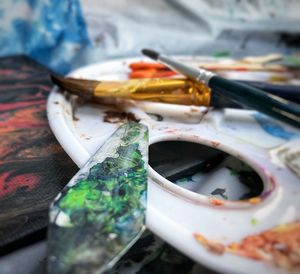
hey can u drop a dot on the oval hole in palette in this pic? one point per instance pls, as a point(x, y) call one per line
point(205, 170)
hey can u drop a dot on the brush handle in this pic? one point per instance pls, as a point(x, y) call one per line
point(288, 92)
point(254, 98)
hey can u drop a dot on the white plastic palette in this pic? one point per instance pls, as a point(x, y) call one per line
point(176, 214)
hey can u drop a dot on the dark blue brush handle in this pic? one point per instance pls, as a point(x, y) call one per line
point(288, 92)
point(257, 99)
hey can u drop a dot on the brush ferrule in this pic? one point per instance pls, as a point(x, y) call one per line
point(204, 76)
point(193, 73)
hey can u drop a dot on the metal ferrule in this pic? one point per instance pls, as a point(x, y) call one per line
point(204, 76)
point(197, 74)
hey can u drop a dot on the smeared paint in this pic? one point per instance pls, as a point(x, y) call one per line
point(194, 109)
point(215, 144)
point(254, 200)
point(224, 53)
point(273, 128)
point(212, 246)
point(101, 211)
point(119, 117)
point(254, 221)
point(156, 117)
point(279, 245)
point(172, 131)
point(216, 202)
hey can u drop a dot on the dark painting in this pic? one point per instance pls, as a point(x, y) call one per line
point(33, 166)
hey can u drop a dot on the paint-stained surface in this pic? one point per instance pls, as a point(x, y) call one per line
point(279, 245)
point(33, 166)
point(101, 210)
point(274, 128)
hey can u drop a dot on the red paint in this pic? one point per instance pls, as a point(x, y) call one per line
point(172, 131)
point(16, 105)
point(216, 202)
point(5, 72)
point(9, 183)
point(23, 118)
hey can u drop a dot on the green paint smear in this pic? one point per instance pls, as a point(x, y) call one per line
point(292, 60)
point(234, 172)
point(108, 187)
point(254, 221)
point(105, 206)
point(220, 54)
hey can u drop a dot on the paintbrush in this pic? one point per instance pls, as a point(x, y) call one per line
point(286, 91)
point(175, 91)
point(246, 95)
point(166, 90)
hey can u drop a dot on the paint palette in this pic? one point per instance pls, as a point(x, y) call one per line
point(205, 213)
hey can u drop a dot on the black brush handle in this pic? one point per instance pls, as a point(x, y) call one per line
point(288, 92)
point(254, 98)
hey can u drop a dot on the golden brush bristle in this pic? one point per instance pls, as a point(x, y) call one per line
point(83, 88)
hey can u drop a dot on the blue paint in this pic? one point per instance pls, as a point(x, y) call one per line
point(143, 198)
point(273, 128)
point(24, 30)
point(32, 3)
point(54, 33)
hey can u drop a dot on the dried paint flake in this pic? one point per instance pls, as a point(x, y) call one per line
point(212, 246)
point(216, 202)
point(254, 200)
point(119, 117)
point(215, 144)
point(194, 109)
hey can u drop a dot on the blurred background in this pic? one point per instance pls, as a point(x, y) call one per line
point(67, 34)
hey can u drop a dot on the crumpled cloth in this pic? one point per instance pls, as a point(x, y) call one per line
point(64, 35)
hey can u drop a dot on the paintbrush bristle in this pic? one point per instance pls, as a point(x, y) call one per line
point(151, 53)
point(83, 88)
